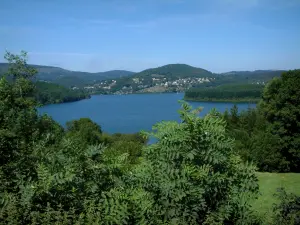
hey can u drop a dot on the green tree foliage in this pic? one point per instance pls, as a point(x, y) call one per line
point(287, 212)
point(254, 140)
point(280, 106)
point(20, 126)
point(48, 175)
point(18, 67)
point(234, 114)
point(68, 179)
point(228, 92)
point(269, 136)
point(130, 144)
point(190, 176)
point(48, 93)
point(84, 131)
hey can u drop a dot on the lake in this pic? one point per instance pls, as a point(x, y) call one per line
point(129, 113)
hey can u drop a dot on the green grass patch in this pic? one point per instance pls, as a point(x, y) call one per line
point(268, 184)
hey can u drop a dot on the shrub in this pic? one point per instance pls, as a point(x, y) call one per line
point(287, 212)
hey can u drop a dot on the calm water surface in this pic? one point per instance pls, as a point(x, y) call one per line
point(128, 113)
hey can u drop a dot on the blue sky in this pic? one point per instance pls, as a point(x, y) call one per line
point(100, 35)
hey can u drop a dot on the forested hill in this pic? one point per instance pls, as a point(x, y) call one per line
point(257, 76)
point(49, 93)
point(227, 92)
point(69, 78)
point(180, 78)
point(167, 78)
point(175, 71)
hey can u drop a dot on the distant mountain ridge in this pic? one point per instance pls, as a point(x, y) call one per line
point(71, 78)
point(260, 76)
point(181, 77)
point(255, 72)
point(166, 73)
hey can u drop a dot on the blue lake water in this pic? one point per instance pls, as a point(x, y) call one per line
point(129, 113)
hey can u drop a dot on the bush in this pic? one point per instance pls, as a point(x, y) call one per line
point(280, 106)
point(287, 212)
point(190, 176)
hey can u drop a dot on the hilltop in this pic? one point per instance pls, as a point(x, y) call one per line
point(175, 71)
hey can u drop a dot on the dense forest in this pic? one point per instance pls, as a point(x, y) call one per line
point(48, 93)
point(269, 135)
point(198, 172)
point(228, 92)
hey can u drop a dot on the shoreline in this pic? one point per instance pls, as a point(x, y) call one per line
point(223, 100)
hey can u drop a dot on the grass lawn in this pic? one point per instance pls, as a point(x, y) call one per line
point(268, 184)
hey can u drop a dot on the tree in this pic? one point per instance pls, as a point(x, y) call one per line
point(281, 107)
point(45, 177)
point(226, 115)
point(255, 141)
point(234, 114)
point(287, 211)
point(18, 67)
point(48, 93)
point(20, 125)
point(84, 131)
point(190, 176)
point(264, 151)
point(18, 117)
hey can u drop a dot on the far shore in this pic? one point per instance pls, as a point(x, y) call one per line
point(223, 100)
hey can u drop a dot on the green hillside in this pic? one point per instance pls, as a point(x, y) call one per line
point(174, 71)
point(257, 76)
point(167, 78)
point(182, 77)
point(161, 79)
point(49, 93)
point(71, 78)
point(226, 92)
